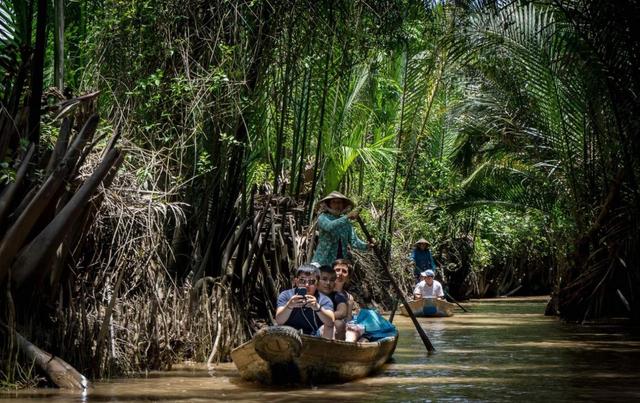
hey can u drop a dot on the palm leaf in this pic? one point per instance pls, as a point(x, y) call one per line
point(9, 43)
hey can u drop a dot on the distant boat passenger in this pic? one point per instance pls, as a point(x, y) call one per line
point(428, 287)
point(422, 258)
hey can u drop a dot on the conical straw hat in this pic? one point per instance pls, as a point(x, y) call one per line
point(337, 195)
point(422, 240)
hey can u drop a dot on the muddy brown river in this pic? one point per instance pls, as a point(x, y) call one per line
point(502, 350)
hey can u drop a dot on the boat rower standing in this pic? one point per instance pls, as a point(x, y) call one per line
point(422, 258)
point(336, 233)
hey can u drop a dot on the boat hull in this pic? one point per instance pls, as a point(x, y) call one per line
point(319, 361)
point(429, 307)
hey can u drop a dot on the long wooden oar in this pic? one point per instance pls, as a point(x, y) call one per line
point(449, 295)
point(454, 300)
point(393, 310)
point(383, 263)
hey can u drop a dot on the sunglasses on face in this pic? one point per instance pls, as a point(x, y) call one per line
point(307, 281)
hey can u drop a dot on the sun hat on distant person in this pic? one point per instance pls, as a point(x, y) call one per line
point(422, 240)
point(428, 273)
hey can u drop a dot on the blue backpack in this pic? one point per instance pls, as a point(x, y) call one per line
point(375, 326)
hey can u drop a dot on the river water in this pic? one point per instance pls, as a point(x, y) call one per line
point(502, 350)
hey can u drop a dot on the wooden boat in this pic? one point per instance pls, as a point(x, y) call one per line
point(429, 307)
point(281, 355)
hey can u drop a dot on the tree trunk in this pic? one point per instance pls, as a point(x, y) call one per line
point(37, 72)
point(58, 37)
point(57, 369)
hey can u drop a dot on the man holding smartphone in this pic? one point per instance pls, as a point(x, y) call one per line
point(304, 307)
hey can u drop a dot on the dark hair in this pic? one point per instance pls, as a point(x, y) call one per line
point(308, 269)
point(346, 262)
point(325, 268)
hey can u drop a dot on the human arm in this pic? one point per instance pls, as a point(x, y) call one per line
point(286, 304)
point(414, 264)
point(355, 308)
point(357, 242)
point(354, 240)
point(417, 291)
point(342, 306)
point(341, 311)
point(432, 261)
point(325, 223)
point(324, 311)
point(351, 306)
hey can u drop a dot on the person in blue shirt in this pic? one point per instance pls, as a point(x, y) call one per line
point(421, 258)
point(306, 312)
point(336, 233)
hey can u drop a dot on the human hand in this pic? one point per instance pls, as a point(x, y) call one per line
point(354, 214)
point(355, 307)
point(312, 303)
point(297, 301)
point(372, 243)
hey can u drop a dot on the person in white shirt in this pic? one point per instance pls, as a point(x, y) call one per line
point(428, 287)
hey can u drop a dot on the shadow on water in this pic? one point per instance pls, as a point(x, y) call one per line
point(503, 350)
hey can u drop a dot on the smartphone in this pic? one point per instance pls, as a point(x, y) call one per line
point(301, 291)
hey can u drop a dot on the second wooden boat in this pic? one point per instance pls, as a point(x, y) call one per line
point(429, 307)
point(280, 355)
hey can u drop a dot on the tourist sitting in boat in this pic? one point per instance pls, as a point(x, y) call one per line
point(332, 282)
point(336, 234)
point(304, 307)
point(325, 286)
point(428, 287)
point(342, 301)
point(342, 268)
point(422, 258)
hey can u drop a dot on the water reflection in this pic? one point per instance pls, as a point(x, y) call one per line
point(500, 351)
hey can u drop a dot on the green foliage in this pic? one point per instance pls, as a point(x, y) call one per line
point(7, 173)
point(506, 234)
point(496, 116)
point(433, 178)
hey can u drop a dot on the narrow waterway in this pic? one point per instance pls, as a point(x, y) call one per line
point(502, 350)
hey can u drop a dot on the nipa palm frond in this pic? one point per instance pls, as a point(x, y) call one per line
point(508, 182)
point(9, 44)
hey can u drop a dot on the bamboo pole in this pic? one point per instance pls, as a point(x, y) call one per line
point(396, 287)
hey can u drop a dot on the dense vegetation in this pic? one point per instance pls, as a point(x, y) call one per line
point(504, 132)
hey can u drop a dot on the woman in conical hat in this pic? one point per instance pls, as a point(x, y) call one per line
point(336, 233)
point(421, 258)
